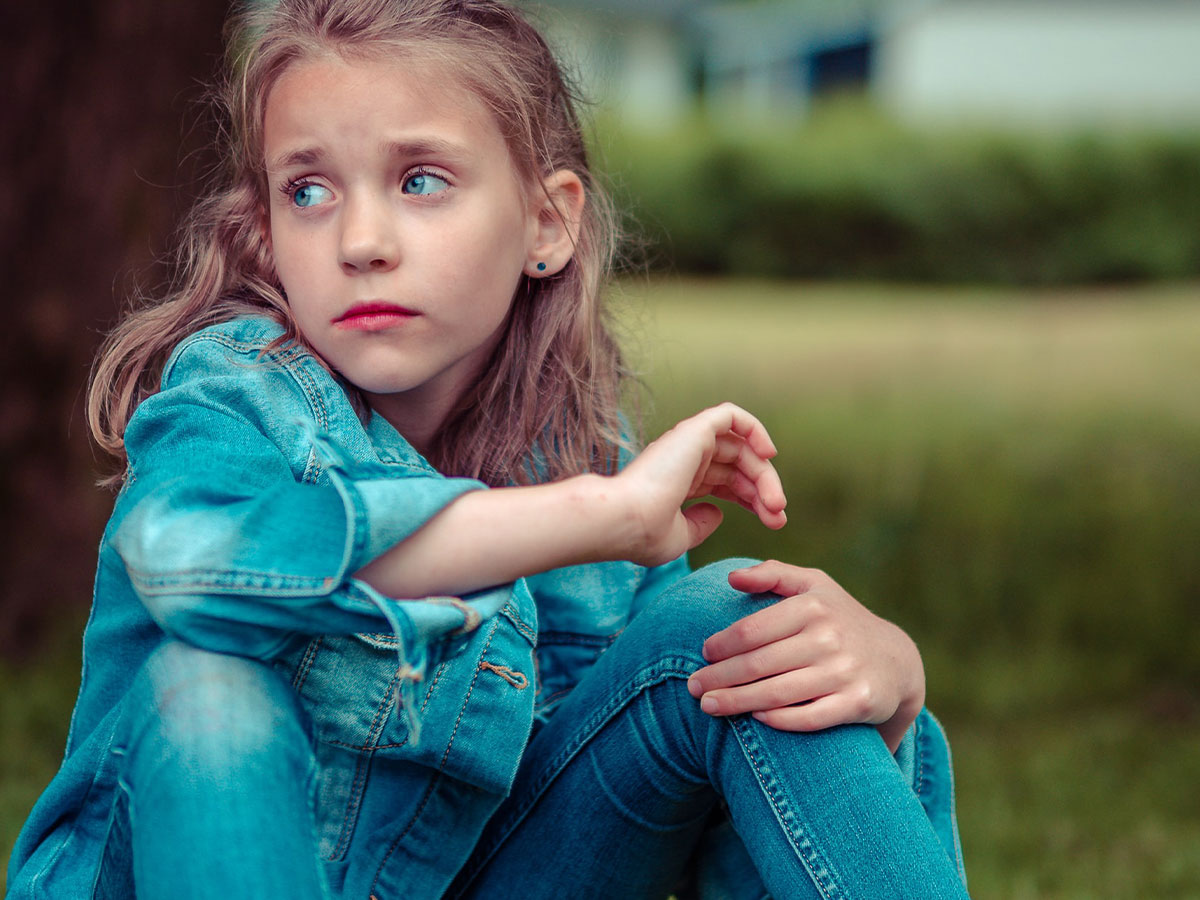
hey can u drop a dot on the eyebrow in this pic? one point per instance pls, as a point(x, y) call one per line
point(311, 156)
point(424, 147)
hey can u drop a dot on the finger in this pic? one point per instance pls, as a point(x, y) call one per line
point(796, 686)
point(723, 492)
point(729, 484)
point(772, 623)
point(703, 466)
point(734, 418)
point(772, 518)
point(795, 652)
point(726, 483)
point(824, 712)
point(776, 577)
point(702, 520)
point(758, 469)
point(729, 448)
point(722, 474)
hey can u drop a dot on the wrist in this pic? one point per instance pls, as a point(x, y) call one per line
point(610, 516)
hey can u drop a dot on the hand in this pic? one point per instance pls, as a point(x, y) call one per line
point(815, 659)
point(722, 452)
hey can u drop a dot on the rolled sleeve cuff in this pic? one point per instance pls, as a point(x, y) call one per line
point(386, 511)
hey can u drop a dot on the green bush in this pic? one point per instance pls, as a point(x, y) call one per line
point(854, 196)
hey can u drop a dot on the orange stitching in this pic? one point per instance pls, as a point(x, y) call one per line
point(512, 676)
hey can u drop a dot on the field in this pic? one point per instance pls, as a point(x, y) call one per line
point(1014, 476)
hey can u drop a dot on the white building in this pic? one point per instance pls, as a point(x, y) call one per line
point(1059, 62)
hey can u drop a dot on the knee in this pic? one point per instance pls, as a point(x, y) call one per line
point(699, 605)
point(211, 711)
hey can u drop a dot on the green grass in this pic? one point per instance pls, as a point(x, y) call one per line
point(1015, 478)
point(35, 709)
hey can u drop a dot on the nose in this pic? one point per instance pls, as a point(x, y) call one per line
point(369, 241)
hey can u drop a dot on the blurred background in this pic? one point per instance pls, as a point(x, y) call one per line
point(948, 250)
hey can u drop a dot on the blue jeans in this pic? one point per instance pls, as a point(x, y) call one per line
point(224, 787)
point(628, 786)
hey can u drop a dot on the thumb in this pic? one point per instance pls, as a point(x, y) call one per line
point(702, 520)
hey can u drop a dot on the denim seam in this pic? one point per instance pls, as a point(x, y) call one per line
point(221, 580)
point(818, 869)
point(510, 613)
point(408, 826)
point(919, 746)
point(362, 766)
point(306, 662)
point(557, 695)
point(70, 836)
point(118, 788)
point(575, 639)
point(396, 744)
point(671, 667)
point(289, 359)
point(921, 742)
point(470, 690)
point(440, 769)
point(958, 853)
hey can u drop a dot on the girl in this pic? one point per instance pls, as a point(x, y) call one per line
point(373, 456)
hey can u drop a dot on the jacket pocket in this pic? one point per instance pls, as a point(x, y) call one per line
point(475, 703)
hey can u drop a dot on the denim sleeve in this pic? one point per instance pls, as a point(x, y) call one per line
point(235, 537)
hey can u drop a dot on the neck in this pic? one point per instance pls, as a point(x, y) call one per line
point(418, 419)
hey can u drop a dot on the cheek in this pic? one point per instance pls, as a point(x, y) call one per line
point(293, 256)
point(500, 248)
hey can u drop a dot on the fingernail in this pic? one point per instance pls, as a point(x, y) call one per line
point(708, 704)
point(693, 686)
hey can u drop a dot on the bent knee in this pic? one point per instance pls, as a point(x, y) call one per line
point(213, 708)
point(698, 606)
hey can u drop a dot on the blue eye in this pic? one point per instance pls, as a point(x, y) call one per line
point(310, 195)
point(424, 183)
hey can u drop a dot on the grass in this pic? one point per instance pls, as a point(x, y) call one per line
point(1015, 478)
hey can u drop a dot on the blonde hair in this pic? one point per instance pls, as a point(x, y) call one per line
point(548, 403)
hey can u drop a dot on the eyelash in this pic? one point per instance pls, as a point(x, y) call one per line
point(427, 171)
point(289, 187)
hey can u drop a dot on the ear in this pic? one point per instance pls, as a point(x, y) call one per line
point(555, 215)
point(264, 226)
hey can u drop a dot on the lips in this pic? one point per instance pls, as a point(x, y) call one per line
point(374, 316)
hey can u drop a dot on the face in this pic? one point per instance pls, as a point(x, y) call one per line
point(399, 228)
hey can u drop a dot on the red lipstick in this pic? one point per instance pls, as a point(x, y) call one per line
point(374, 316)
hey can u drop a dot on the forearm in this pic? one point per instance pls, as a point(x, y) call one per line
point(485, 538)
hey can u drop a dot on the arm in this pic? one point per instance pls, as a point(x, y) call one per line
point(494, 536)
point(819, 648)
point(230, 536)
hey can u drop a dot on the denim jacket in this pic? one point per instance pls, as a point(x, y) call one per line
point(254, 492)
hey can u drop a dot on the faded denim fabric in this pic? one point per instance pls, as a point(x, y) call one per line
point(232, 643)
point(197, 552)
point(630, 784)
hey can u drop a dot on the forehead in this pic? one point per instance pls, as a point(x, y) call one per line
point(374, 99)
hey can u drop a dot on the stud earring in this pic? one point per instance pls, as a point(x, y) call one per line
point(541, 267)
